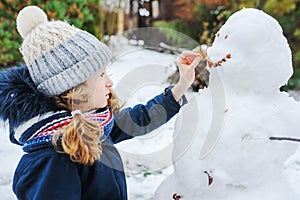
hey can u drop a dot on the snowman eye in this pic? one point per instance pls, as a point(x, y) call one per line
point(102, 74)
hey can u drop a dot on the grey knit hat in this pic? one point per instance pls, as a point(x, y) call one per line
point(59, 56)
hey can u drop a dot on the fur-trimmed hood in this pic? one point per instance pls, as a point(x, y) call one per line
point(20, 99)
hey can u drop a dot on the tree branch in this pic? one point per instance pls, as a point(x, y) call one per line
point(285, 138)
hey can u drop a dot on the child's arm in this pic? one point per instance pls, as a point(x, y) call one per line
point(142, 119)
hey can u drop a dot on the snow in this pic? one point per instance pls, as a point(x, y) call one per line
point(244, 164)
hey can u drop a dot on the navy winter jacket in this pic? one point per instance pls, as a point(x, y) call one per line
point(46, 174)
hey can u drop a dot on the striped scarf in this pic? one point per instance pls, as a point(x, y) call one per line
point(42, 137)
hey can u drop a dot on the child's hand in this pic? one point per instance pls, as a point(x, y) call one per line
point(187, 62)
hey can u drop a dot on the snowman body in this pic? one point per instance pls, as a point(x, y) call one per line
point(252, 60)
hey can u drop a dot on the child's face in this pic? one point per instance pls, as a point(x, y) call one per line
point(98, 86)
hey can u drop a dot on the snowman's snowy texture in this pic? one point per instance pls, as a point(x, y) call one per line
point(253, 59)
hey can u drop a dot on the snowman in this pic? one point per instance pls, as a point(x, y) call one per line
point(230, 155)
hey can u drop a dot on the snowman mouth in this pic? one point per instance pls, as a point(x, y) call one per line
point(219, 62)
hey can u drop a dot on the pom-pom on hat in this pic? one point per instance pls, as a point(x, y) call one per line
point(58, 56)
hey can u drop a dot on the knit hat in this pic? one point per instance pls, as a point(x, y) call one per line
point(58, 56)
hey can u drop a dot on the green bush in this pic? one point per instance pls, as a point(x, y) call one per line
point(82, 14)
point(177, 24)
point(181, 35)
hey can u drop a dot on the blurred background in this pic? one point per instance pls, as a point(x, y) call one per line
point(198, 19)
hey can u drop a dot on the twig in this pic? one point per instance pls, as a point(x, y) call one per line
point(285, 138)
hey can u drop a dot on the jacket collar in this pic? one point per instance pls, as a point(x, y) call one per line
point(39, 135)
point(20, 99)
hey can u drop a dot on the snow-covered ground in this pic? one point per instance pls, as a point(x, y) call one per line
point(9, 156)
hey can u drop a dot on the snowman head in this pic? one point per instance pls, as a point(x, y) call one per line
point(251, 52)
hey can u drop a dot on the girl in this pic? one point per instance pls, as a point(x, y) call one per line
point(61, 109)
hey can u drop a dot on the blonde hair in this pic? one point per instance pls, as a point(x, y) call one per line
point(81, 137)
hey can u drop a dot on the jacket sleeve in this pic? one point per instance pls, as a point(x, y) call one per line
point(43, 177)
point(142, 119)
